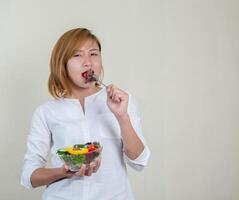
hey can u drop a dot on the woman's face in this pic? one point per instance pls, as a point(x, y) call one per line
point(88, 57)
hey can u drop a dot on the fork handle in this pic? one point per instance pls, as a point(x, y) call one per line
point(103, 84)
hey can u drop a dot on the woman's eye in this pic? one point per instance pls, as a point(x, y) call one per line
point(94, 54)
point(77, 55)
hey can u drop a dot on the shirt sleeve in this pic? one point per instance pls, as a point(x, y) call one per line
point(141, 161)
point(38, 146)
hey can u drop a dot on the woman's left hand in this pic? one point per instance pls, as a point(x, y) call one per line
point(117, 101)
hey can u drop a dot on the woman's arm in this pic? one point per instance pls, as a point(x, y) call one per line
point(132, 144)
point(45, 176)
point(38, 146)
point(117, 101)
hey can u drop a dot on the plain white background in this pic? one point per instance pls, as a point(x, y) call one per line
point(180, 59)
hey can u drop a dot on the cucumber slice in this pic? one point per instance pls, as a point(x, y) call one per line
point(62, 152)
point(79, 146)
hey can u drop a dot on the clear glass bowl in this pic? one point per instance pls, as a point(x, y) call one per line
point(76, 156)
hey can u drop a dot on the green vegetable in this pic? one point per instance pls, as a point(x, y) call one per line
point(62, 152)
point(79, 146)
point(78, 159)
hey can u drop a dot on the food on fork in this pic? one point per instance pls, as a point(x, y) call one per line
point(89, 76)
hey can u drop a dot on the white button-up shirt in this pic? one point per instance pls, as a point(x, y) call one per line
point(62, 123)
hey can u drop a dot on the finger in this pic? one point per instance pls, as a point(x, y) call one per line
point(116, 99)
point(98, 162)
point(112, 91)
point(109, 91)
point(115, 91)
point(118, 91)
point(81, 171)
point(109, 87)
point(66, 171)
point(66, 168)
point(118, 96)
point(121, 96)
point(90, 169)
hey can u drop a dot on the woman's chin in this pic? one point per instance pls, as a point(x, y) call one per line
point(87, 85)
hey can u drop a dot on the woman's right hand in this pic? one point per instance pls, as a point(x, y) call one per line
point(66, 171)
point(84, 170)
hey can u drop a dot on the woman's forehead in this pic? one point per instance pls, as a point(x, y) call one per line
point(88, 45)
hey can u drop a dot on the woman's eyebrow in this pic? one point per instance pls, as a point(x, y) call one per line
point(94, 50)
point(89, 50)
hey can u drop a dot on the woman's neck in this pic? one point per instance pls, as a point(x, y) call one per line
point(81, 93)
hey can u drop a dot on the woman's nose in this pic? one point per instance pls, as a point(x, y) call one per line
point(87, 61)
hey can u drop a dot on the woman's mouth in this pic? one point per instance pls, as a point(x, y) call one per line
point(85, 75)
point(89, 76)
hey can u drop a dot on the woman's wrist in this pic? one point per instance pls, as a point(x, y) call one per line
point(65, 172)
point(123, 118)
point(45, 176)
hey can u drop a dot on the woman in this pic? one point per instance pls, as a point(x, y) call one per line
point(83, 111)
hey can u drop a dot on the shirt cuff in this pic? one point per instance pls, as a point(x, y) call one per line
point(141, 161)
point(26, 177)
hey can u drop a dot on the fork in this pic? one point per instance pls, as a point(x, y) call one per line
point(93, 77)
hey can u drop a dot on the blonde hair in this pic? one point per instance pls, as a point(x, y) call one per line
point(64, 49)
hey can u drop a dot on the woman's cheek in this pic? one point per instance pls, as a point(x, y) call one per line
point(97, 68)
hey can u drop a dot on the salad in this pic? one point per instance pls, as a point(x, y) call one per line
point(80, 154)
